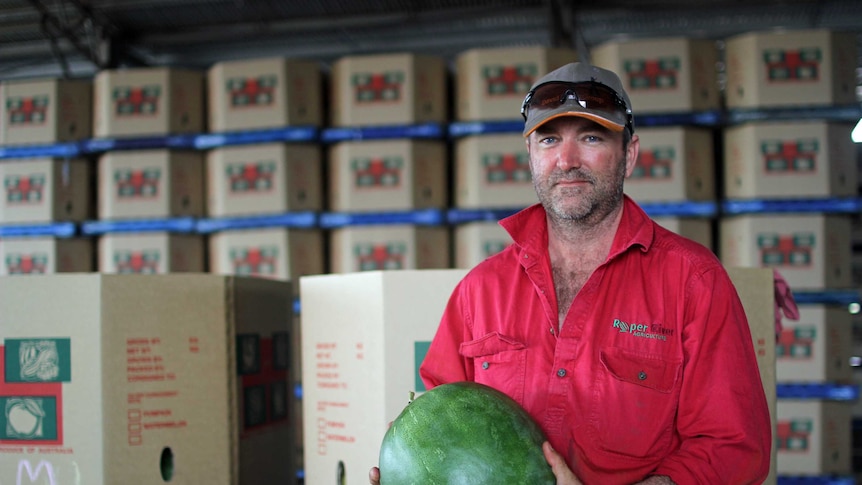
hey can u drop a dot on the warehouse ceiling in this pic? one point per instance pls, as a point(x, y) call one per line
point(74, 38)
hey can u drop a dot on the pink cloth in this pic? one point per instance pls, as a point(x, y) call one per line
point(785, 304)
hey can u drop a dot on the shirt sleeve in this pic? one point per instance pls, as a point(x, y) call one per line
point(444, 363)
point(723, 418)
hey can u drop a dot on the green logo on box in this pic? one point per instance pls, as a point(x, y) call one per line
point(31, 418)
point(38, 360)
point(420, 348)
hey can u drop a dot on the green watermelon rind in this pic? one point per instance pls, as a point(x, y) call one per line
point(496, 443)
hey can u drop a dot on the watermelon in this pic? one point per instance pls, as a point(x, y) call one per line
point(463, 433)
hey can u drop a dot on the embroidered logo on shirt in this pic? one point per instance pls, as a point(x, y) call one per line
point(654, 331)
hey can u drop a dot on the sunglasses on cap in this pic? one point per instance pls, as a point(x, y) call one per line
point(590, 96)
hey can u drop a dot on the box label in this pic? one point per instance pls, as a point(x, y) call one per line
point(791, 250)
point(781, 157)
point(131, 101)
point(378, 87)
point(254, 261)
point(262, 364)
point(145, 261)
point(24, 189)
point(244, 178)
point(796, 343)
point(794, 435)
point(506, 168)
point(380, 256)
point(27, 111)
point(251, 92)
point(137, 184)
point(420, 348)
point(789, 65)
point(652, 74)
point(22, 263)
point(377, 173)
point(655, 164)
point(507, 80)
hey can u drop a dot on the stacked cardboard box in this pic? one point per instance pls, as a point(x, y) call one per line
point(45, 111)
point(476, 241)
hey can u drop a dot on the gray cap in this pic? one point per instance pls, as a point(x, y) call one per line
point(579, 72)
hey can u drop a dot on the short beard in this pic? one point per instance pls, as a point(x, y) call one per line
point(603, 200)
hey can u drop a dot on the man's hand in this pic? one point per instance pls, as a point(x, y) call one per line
point(559, 467)
point(374, 476)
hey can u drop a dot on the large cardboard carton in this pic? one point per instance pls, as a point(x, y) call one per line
point(46, 255)
point(664, 75)
point(361, 359)
point(814, 437)
point(811, 251)
point(278, 253)
point(264, 93)
point(46, 190)
point(151, 184)
point(789, 159)
point(493, 171)
point(388, 89)
point(674, 164)
point(400, 174)
point(697, 229)
point(756, 289)
point(264, 179)
point(147, 101)
point(108, 379)
point(388, 247)
point(790, 68)
point(476, 241)
point(817, 347)
point(151, 253)
point(43, 111)
point(491, 82)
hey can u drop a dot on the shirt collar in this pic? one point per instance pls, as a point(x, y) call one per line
point(529, 228)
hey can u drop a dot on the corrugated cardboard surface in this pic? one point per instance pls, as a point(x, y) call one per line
point(493, 171)
point(664, 75)
point(476, 241)
point(264, 93)
point(674, 164)
point(696, 229)
point(388, 247)
point(46, 190)
point(491, 82)
point(151, 253)
point(789, 159)
point(363, 337)
point(814, 437)
point(45, 111)
point(817, 347)
point(264, 179)
point(151, 184)
point(813, 67)
point(147, 388)
point(46, 255)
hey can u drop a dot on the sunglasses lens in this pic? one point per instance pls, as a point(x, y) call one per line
point(588, 95)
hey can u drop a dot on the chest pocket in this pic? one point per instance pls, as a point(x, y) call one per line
point(498, 361)
point(634, 395)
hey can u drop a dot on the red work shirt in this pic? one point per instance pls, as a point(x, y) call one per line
point(653, 372)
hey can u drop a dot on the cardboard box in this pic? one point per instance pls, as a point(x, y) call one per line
point(44, 111)
point(811, 251)
point(388, 89)
point(147, 101)
point(756, 289)
point(401, 174)
point(817, 347)
point(476, 241)
point(493, 171)
point(697, 229)
point(813, 437)
point(135, 384)
point(46, 190)
point(674, 164)
point(264, 179)
point(264, 93)
point(664, 75)
point(789, 159)
point(45, 255)
point(278, 253)
point(361, 360)
point(791, 68)
point(491, 82)
point(151, 253)
point(388, 247)
point(151, 184)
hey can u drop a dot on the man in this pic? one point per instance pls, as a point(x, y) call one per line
point(625, 342)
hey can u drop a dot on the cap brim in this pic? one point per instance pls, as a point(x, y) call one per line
point(615, 127)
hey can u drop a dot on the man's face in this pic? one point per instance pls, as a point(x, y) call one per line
point(578, 168)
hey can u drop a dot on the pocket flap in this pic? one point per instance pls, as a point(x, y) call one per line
point(492, 343)
point(634, 368)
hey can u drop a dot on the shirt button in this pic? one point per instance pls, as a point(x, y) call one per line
point(561, 373)
point(642, 375)
point(485, 365)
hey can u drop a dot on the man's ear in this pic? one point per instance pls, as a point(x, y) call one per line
point(632, 155)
